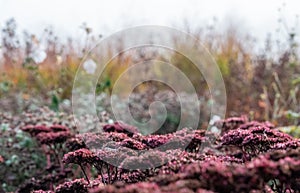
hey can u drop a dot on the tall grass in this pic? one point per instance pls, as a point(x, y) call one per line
point(262, 87)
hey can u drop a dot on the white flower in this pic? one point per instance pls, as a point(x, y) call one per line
point(214, 129)
point(214, 119)
point(90, 66)
point(38, 55)
point(59, 59)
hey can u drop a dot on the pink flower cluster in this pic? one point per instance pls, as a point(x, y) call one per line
point(120, 127)
point(246, 157)
point(48, 134)
point(254, 138)
point(75, 186)
point(80, 156)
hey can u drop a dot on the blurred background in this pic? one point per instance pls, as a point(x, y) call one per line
point(255, 45)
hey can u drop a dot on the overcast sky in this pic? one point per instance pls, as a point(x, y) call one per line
point(257, 17)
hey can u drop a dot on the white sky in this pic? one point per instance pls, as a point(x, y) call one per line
point(257, 17)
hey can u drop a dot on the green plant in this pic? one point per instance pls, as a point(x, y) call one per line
point(22, 158)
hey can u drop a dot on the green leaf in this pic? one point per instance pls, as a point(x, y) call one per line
point(26, 143)
point(292, 115)
point(101, 87)
point(5, 127)
point(296, 81)
point(5, 86)
point(54, 103)
point(292, 130)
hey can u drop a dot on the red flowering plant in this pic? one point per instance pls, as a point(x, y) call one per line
point(120, 127)
point(44, 182)
point(277, 171)
point(105, 161)
point(281, 168)
point(113, 153)
point(230, 123)
point(34, 130)
point(249, 157)
point(75, 143)
point(108, 163)
point(52, 139)
point(75, 186)
point(147, 163)
point(202, 176)
point(80, 157)
point(254, 138)
point(113, 148)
